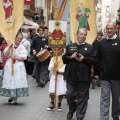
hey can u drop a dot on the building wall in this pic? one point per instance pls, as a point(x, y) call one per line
point(106, 12)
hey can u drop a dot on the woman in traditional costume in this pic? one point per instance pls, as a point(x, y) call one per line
point(15, 85)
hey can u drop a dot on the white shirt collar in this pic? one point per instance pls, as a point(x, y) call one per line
point(79, 43)
point(40, 35)
point(98, 40)
point(114, 37)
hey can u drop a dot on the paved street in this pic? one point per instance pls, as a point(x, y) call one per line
point(34, 107)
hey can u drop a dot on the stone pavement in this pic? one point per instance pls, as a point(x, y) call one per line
point(34, 107)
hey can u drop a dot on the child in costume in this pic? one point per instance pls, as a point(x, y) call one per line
point(61, 84)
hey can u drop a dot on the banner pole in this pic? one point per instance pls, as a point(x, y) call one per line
point(12, 52)
point(56, 74)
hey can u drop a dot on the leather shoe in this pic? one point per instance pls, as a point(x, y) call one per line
point(10, 100)
point(16, 104)
point(69, 115)
point(116, 118)
point(42, 85)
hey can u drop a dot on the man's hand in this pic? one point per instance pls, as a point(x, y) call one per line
point(46, 46)
point(80, 59)
point(34, 52)
point(73, 55)
point(10, 47)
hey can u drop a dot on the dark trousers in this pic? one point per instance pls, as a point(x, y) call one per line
point(26, 65)
point(81, 90)
point(41, 72)
point(112, 86)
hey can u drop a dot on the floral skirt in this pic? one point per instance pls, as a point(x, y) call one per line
point(19, 92)
point(1, 80)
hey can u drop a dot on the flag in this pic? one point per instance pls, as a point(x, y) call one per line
point(27, 2)
point(61, 9)
point(11, 18)
point(83, 15)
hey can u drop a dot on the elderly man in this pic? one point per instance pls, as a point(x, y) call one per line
point(108, 71)
point(78, 59)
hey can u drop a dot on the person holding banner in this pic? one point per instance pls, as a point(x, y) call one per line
point(79, 58)
point(61, 84)
point(15, 85)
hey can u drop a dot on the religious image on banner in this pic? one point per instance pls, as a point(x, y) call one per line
point(57, 34)
point(82, 17)
point(8, 8)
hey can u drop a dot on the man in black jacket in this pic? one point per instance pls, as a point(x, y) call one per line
point(78, 59)
point(95, 45)
point(40, 42)
point(108, 71)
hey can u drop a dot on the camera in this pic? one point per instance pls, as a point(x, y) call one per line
point(78, 55)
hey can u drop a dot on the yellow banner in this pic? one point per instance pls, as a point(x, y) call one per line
point(83, 15)
point(11, 18)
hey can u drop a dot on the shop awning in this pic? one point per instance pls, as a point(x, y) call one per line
point(28, 23)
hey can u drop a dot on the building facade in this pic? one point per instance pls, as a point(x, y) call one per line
point(106, 11)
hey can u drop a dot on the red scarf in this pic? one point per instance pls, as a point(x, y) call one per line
point(14, 60)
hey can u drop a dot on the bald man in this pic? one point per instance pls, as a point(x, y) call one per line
point(108, 72)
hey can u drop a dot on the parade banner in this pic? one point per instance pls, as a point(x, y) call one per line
point(11, 18)
point(58, 13)
point(57, 33)
point(27, 2)
point(83, 15)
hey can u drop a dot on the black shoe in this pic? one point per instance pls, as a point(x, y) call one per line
point(98, 84)
point(10, 100)
point(51, 106)
point(42, 85)
point(116, 118)
point(16, 104)
point(34, 76)
point(69, 115)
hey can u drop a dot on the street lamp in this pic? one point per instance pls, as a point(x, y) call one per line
point(118, 21)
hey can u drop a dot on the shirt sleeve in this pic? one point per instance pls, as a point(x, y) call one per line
point(23, 53)
point(51, 65)
point(5, 50)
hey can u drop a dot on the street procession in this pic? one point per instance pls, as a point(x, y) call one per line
point(59, 60)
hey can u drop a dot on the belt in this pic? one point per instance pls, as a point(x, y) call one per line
point(60, 73)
